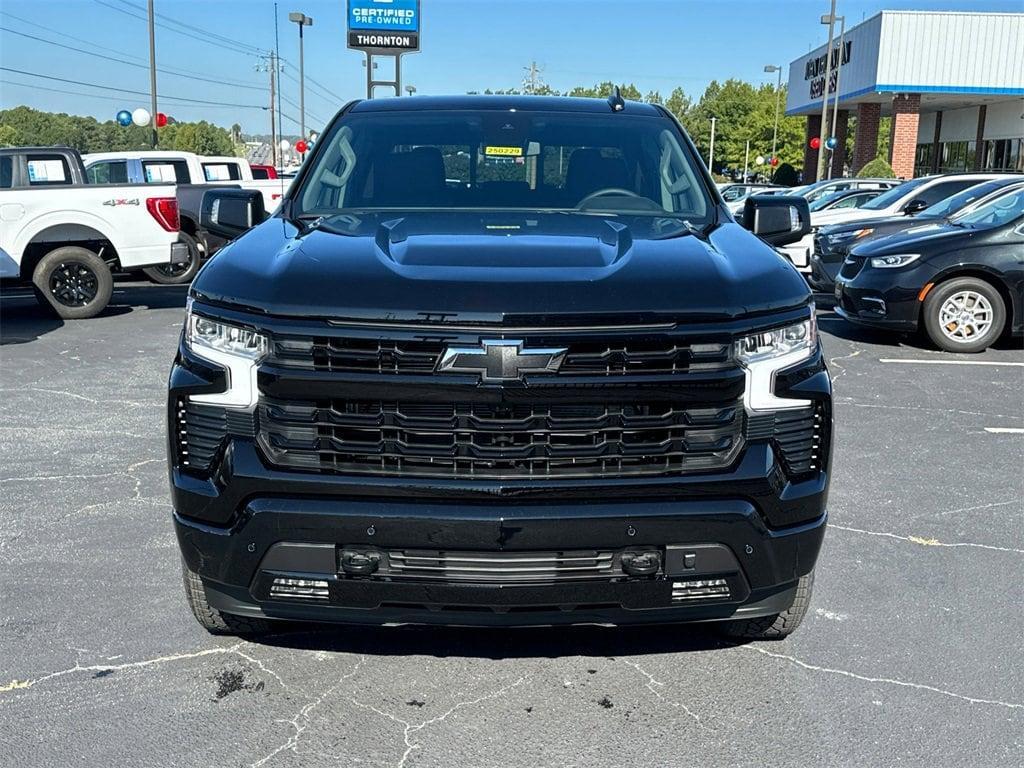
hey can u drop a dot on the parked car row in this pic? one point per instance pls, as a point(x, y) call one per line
point(939, 254)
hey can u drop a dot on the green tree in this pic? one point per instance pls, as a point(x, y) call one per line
point(878, 168)
point(9, 136)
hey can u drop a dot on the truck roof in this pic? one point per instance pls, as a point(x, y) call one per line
point(501, 103)
point(140, 153)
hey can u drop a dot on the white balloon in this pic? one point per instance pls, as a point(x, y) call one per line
point(759, 159)
point(140, 117)
point(285, 145)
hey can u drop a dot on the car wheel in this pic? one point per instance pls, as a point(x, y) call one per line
point(74, 282)
point(179, 272)
point(964, 314)
point(213, 621)
point(777, 625)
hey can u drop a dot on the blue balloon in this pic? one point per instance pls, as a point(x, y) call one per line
point(831, 142)
point(124, 117)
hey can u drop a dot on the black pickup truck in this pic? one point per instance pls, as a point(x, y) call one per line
point(500, 361)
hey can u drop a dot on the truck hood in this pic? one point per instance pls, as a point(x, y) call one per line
point(489, 268)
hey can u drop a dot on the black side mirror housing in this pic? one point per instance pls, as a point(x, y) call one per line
point(914, 207)
point(229, 213)
point(777, 219)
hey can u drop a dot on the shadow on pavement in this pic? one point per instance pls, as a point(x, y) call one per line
point(23, 319)
point(500, 643)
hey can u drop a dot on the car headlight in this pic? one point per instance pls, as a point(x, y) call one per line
point(236, 349)
point(896, 260)
point(766, 353)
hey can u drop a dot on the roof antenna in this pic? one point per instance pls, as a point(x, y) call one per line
point(615, 101)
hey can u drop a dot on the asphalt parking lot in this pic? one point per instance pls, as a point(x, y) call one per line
point(910, 654)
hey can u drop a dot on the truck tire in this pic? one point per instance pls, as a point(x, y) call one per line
point(213, 621)
point(74, 282)
point(777, 625)
point(181, 272)
point(964, 314)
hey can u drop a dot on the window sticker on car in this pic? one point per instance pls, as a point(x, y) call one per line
point(163, 172)
point(504, 151)
point(217, 172)
point(46, 170)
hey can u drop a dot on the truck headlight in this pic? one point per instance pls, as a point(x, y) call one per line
point(764, 354)
point(236, 349)
point(896, 260)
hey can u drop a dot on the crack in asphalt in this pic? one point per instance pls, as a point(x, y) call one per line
point(886, 680)
point(925, 542)
point(652, 682)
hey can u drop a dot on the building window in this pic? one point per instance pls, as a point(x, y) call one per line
point(923, 159)
point(1004, 155)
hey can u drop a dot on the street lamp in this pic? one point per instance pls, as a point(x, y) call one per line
point(303, 21)
point(778, 92)
point(410, 89)
point(839, 72)
point(711, 149)
point(829, 19)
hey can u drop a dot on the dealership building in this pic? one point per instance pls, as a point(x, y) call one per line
point(953, 84)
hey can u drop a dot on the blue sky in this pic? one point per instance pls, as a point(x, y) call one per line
point(467, 45)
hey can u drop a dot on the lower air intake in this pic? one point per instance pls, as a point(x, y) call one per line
point(699, 589)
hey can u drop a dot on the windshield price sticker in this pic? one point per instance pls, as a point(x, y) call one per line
point(503, 151)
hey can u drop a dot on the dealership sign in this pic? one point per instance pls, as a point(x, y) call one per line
point(817, 69)
point(384, 26)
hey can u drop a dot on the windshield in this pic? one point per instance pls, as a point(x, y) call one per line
point(953, 204)
point(995, 213)
point(894, 195)
point(455, 160)
point(822, 202)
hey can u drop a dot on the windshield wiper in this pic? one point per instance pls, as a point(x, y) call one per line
point(685, 229)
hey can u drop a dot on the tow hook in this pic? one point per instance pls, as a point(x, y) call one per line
point(359, 563)
point(641, 563)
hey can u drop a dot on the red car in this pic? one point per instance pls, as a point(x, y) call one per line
point(263, 171)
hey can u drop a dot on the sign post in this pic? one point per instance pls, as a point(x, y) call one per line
point(384, 28)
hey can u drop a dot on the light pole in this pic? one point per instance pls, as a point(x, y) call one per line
point(411, 90)
point(778, 92)
point(830, 19)
point(152, 71)
point(835, 106)
point(711, 149)
point(303, 21)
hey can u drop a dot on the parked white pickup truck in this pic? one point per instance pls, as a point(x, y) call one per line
point(169, 167)
point(66, 238)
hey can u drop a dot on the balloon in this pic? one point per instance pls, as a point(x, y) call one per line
point(161, 119)
point(831, 142)
point(285, 145)
point(759, 160)
point(124, 117)
point(775, 161)
point(140, 117)
point(301, 146)
point(815, 143)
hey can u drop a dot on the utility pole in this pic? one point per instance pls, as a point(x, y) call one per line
point(778, 93)
point(830, 20)
point(271, 67)
point(152, 73)
point(835, 107)
point(711, 150)
point(303, 21)
point(746, 161)
point(532, 80)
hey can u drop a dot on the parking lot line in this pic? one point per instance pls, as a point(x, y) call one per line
point(1005, 430)
point(946, 362)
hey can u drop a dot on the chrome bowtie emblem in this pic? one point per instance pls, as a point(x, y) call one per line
point(501, 360)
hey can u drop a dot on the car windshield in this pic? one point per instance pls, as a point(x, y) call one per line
point(951, 205)
point(1001, 210)
point(481, 160)
point(823, 202)
point(894, 195)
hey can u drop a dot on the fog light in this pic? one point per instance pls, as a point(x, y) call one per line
point(308, 589)
point(699, 589)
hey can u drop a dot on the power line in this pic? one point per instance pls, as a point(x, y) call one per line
point(127, 90)
point(145, 63)
point(200, 30)
point(165, 70)
point(35, 87)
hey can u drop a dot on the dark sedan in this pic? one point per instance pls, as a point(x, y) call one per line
point(961, 279)
point(833, 243)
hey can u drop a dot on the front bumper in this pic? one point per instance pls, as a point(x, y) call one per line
point(880, 298)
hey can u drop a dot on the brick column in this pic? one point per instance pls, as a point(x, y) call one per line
point(811, 155)
point(979, 142)
point(865, 140)
point(839, 154)
point(905, 108)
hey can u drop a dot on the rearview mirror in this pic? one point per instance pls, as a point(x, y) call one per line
point(229, 213)
point(914, 207)
point(776, 219)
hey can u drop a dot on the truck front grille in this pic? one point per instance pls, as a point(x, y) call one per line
point(412, 357)
point(851, 267)
point(478, 441)
point(504, 567)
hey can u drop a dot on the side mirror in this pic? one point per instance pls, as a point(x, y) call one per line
point(229, 213)
point(776, 219)
point(914, 207)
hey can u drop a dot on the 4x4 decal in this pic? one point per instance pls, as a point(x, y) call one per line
point(121, 201)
